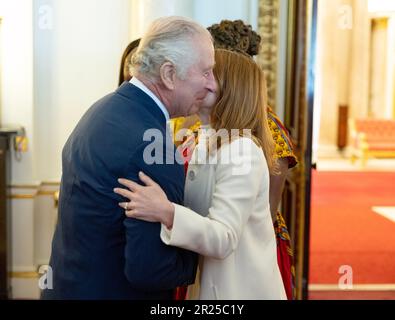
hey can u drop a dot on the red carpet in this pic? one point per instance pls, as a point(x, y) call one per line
point(344, 230)
point(352, 295)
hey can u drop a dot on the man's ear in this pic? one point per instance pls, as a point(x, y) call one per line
point(168, 75)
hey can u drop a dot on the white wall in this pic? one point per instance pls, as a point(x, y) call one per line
point(76, 63)
point(16, 83)
point(208, 12)
point(143, 12)
point(343, 44)
point(17, 108)
point(390, 111)
point(385, 49)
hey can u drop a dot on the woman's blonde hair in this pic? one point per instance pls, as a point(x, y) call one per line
point(242, 100)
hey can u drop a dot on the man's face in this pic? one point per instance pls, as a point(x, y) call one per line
point(192, 91)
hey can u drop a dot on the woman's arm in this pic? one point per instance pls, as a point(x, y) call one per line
point(277, 186)
point(235, 192)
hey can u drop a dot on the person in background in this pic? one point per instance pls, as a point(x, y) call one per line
point(125, 73)
point(226, 217)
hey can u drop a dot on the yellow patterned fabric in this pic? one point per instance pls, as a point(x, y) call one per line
point(284, 147)
point(195, 127)
point(285, 256)
point(178, 123)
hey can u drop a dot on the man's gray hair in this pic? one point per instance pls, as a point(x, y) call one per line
point(167, 39)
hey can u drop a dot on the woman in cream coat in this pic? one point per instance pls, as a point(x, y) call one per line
point(226, 217)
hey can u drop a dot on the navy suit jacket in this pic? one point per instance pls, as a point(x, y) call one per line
point(97, 252)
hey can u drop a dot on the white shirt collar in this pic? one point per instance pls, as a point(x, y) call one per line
point(136, 82)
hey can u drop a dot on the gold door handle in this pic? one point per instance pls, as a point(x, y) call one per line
point(56, 198)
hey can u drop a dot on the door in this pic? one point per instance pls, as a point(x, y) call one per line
point(298, 118)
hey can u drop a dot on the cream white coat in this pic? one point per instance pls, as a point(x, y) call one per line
point(226, 219)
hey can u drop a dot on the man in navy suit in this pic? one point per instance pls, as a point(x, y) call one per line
point(97, 253)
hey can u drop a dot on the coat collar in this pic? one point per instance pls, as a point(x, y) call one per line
point(131, 92)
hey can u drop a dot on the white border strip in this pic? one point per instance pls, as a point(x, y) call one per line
point(386, 212)
point(355, 287)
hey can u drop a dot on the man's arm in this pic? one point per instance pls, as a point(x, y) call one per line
point(150, 265)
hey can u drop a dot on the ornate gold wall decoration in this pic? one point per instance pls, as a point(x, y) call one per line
point(268, 29)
